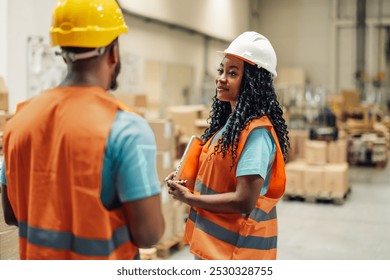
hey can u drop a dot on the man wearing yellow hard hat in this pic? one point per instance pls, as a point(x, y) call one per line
point(74, 171)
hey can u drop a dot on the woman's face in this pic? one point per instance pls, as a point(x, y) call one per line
point(228, 80)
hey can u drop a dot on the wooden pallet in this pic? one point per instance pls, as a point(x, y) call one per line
point(337, 200)
point(175, 243)
point(148, 254)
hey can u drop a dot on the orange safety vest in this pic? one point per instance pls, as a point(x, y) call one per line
point(222, 236)
point(54, 148)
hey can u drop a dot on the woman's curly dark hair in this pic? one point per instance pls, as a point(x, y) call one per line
point(257, 98)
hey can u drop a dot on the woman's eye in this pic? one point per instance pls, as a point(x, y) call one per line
point(232, 73)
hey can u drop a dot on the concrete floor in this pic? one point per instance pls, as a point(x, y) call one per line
point(357, 230)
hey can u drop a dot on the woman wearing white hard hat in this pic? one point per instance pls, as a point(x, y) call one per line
point(241, 174)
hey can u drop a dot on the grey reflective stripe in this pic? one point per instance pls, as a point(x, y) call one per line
point(256, 242)
point(217, 231)
point(259, 215)
point(193, 214)
point(68, 241)
point(231, 237)
point(203, 189)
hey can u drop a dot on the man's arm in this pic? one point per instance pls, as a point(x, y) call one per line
point(145, 221)
point(9, 215)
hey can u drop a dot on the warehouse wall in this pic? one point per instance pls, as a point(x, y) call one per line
point(300, 33)
point(25, 18)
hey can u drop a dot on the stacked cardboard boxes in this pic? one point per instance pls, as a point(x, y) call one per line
point(321, 174)
point(166, 146)
point(173, 211)
point(184, 118)
point(188, 120)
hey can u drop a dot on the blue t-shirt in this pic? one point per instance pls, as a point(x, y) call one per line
point(257, 157)
point(129, 164)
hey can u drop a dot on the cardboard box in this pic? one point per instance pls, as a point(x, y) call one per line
point(167, 210)
point(134, 101)
point(316, 152)
point(164, 164)
point(336, 180)
point(290, 77)
point(183, 118)
point(4, 117)
point(201, 125)
point(351, 99)
point(163, 132)
point(294, 177)
point(313, 181)
point(180, 210)
point(3, 95)
point(297, 144)
point(337, 151)
point(342, 145)
point(9, 244)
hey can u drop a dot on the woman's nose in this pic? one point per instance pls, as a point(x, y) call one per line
point(221, 79)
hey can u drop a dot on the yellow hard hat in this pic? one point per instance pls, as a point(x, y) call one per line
point(86, 24)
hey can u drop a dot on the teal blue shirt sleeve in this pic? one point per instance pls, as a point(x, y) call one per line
point(257, 156)
point(3, 179)
point(129, 166)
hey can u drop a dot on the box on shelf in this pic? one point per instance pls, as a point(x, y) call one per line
point(201, 125)
point(297, 144)
point(183, 118)
point(316, 152)
point(290, 77)
point(351, 99)
point(134, 101)
point(163, 132)
point(164, 164)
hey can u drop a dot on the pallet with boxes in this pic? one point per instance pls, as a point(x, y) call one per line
point(322, 175)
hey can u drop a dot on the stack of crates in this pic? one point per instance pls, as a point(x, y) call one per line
point(321, 174)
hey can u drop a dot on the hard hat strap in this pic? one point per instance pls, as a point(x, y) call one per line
point(72, 57)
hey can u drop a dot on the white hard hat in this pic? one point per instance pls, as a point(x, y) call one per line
point(255, 49)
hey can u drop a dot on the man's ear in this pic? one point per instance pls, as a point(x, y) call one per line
point(114, 54)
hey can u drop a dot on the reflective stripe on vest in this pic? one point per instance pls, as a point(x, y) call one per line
point(68, 241)
point(233, 236)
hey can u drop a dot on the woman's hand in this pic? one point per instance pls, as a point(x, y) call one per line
point(178, 191)
point(170, 176)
